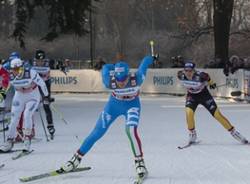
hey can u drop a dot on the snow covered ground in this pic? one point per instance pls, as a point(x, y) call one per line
point(218, 159)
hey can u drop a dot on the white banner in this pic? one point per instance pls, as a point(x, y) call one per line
point(226, 85)
point(165, 81)
point(160, 81)
point(246, 87)
point(76, 81)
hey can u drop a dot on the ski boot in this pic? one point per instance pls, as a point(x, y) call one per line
point(26, 143)
point(140, 167)
point(192, 136)
point(72, 163)
point(19, 137)
point(7, 146)
point(238, 136)
point(51, 130)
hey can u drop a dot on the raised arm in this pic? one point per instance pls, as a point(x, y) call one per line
point(107, 69)
point(142, 70)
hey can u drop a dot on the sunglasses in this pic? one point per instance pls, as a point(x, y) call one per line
point(17, 70)
point(188, 70)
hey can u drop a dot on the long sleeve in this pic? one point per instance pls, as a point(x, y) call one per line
point(39, 81)
point(107, 69)
point(142, 70)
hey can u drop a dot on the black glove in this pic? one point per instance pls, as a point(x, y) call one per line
point(156, 60)
point(51, 99)
point(213, 86)
point(46, 100)
point(156, 57)
point(180, 75)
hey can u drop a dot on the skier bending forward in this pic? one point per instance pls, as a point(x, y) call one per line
point(124, 100)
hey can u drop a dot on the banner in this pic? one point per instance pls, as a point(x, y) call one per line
point(162, 81)
point(76, 81)
point(158, 81)
point(246, 87)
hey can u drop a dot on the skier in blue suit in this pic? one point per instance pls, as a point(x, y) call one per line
point(124, 100)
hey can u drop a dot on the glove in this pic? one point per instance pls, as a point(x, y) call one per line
point(156, 57)
point(46, 100)
point(155, 60)
point(213, 86)
point(63, 69)
point(51, 99)
point(180, 75)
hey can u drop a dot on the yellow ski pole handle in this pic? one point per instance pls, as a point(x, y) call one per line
point(152, 47)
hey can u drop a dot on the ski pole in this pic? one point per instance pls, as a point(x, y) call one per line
point(152, 48)
point(3, 130)
point(2, 115)
point(45, 132)
point(228, 83)
point(58, 113)
point(221, 85)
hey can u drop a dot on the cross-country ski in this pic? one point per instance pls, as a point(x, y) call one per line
point(189, 144)
point(51, 173)
point(21, 154)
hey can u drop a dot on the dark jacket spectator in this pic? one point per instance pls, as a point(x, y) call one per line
point(99, 63)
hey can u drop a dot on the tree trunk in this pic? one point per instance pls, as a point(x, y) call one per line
point(222, 20)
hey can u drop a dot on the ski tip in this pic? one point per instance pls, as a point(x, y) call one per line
point(189, 144)
point(23, 179)
point(82, 168)
point(21, 154)
point(78, 169)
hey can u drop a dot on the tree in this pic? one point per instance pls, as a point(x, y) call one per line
point(119, 18)
point(193, 29)
point(222, 20)
point(64, 17)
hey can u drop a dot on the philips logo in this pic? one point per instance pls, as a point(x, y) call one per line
point(163, 80)
point(233, 83)
point(64, 80)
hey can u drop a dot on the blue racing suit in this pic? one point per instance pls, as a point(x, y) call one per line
point(122, 101)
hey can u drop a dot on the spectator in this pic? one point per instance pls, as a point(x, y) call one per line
point(246, 63)
point(178, 61)
point(52, 64)
point(235, 63)
point(99, 63)
point(215, 63)
point(59, 63)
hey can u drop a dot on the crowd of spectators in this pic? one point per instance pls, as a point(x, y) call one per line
point(235, 62)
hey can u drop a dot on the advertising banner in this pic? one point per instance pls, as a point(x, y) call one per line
point(158, 81)
point(246, 87)
point(76, 81)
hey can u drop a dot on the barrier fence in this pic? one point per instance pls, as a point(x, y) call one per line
point(158, 81)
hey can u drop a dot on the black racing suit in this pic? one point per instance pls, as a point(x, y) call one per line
point(44, 72)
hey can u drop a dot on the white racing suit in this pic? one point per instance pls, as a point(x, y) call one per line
point(26, 100)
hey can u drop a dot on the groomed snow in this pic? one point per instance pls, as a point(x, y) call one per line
point(218, 159)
